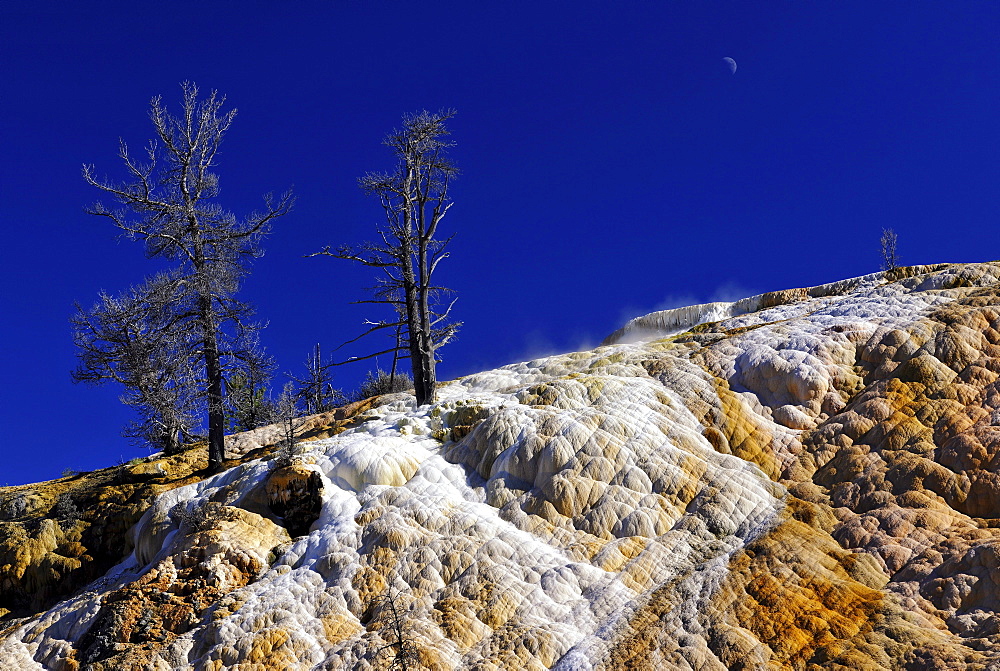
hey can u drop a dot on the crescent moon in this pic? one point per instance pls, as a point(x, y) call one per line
point(731, 63)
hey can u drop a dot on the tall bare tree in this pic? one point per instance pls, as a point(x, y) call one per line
point(168, 203)
point(414, 199)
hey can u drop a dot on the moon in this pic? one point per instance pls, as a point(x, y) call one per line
point(730, 63)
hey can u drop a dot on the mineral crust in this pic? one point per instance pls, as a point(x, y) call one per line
point(803, 479)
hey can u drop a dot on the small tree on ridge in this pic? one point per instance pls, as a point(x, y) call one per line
point(316, 389)
point(890, 259)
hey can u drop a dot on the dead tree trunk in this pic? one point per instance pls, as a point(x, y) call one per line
point(414, 199)
point(170, 210)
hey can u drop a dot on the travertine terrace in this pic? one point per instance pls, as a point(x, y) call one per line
point(803, 479)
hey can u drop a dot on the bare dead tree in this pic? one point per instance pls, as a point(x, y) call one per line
point(414, 199)
point(167, 203)
point(140, 340)
point(316, 388)
point(890, 259)
point(400, 646)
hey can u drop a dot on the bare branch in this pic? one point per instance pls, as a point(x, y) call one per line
point(373, 329)
point(355, 359)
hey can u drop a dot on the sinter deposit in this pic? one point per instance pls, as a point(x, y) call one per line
point(804, 479)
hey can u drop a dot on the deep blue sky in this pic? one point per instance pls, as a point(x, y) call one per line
point(611, 164)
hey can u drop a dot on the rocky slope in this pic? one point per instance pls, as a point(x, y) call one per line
point(803, 479)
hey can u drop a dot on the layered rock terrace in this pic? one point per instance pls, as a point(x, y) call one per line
point(802, 479)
